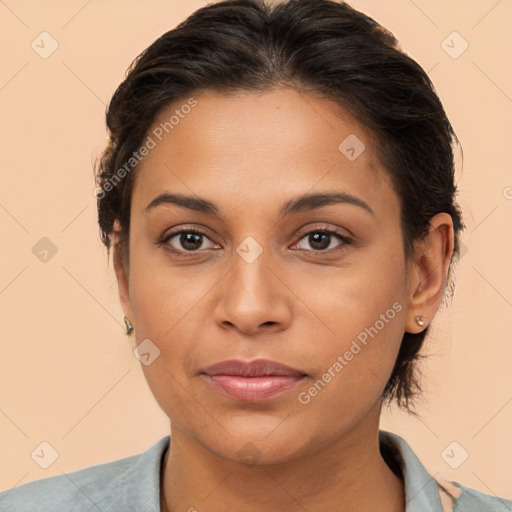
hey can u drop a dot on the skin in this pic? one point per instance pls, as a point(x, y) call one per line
point(250, 153)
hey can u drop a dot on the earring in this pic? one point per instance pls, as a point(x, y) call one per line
point(420, 320)
point(129, 326)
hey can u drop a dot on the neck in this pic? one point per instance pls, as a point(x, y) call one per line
point(347, 474)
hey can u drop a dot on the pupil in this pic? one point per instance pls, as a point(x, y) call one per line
point(319, 238)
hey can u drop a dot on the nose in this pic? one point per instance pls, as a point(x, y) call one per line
point(254, 298)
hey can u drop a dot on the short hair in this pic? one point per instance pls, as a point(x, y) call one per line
point(321, 47)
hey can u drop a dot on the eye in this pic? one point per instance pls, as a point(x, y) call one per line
point(185, 241)
point(321, 240)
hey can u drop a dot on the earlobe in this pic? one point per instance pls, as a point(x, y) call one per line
point(428, 273)
point(420, 320)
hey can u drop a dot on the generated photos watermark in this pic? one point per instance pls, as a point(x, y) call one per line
point(150, 143)
point(355, 348)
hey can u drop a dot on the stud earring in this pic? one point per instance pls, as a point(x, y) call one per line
point(420, 320)
point(129, 326)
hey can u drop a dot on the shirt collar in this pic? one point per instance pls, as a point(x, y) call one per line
point(141, 483)
point(421, 489)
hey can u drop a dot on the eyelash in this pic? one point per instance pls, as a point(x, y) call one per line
point(343, 238)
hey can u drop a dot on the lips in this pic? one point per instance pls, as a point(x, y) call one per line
point(252, 381)
point(256, 368)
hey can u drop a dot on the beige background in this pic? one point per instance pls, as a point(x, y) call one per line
point(68, 374)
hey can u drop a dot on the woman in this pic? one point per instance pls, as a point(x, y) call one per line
point(278, 191)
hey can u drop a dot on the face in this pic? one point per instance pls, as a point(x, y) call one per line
point(318, 285)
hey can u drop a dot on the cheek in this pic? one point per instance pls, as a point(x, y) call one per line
point(163, 296)
point(352, 298)
point(168, 308)
point(362, 310)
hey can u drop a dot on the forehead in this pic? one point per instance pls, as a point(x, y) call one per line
point(253, 146)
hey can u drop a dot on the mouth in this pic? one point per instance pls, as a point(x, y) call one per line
point(252, 381)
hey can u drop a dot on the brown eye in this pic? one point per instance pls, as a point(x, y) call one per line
point(186, 241)
point(322, 240)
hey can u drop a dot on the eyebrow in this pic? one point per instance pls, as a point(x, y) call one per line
point(295, 205)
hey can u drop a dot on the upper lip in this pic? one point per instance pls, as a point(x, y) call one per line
point(256, 368)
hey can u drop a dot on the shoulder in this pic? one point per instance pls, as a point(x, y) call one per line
point(427, 493)
point(457, 497)
point(116, 485)
point(78, 490)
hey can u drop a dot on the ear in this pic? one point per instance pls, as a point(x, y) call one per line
point(121, 270)
point(428, 272)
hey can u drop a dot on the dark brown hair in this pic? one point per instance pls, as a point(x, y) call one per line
point(318, 46)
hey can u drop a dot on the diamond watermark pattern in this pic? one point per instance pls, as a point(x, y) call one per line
point(249, 249)
point(462, 250)
point(146, 352)
point(44, 455)
point(44, 250)
point(44, 45)
point(454, 45)
point(352, 147)
point(249, 454)
point(454, 455)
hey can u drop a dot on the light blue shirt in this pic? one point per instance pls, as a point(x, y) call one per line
point(133, 484)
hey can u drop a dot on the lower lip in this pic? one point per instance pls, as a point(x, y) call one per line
point(252, 389)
